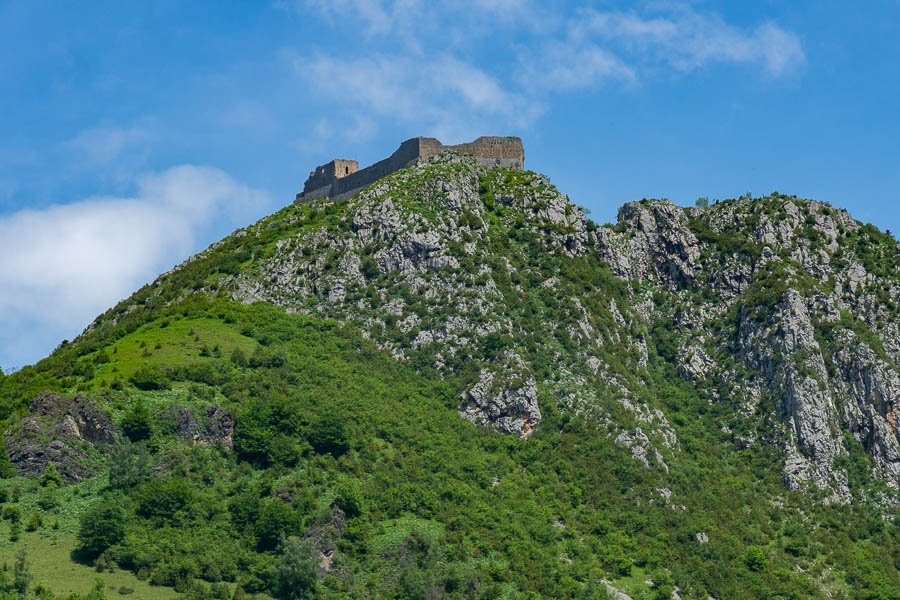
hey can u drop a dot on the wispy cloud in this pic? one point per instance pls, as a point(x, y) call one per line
point(445, 95)
point(104, 145)
point(688, 40)
point(438, 77)
point(63, 265)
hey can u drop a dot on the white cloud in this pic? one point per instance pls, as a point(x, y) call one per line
point(689, 40)
point(63, 265)
point(444, 95)
point(431, 70)
point(379, 17)
point(564, 66)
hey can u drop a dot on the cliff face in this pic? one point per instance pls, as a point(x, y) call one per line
point(784, 308)
point(779, 312)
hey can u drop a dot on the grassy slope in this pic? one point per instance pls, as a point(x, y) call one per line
point(49, 558)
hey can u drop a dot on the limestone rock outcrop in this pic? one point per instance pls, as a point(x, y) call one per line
point(66, 431)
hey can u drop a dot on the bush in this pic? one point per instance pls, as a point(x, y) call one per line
point(294, 574)
point(130, 465)
point(327, 434)
point(163, 498)
point(349, 498)
point(13, 514)
point(238, 358)
point(275, 519)
point(34, 522)
point(149, 378)
point(136, 425)
point(51, 477)
point(756, 560)
point(101, 527)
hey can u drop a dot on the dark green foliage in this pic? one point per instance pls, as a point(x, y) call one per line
point(756, 558)
point(137, 424)
point(21, 574)
point(238, 358)
point(294, 573)
point(51, 477)
point(101, 527)
point(275, 519)
point(130, 465)
point(149, 378)
point(369, 267)
point(328, 434)
point(164, 498)
point(349, 498)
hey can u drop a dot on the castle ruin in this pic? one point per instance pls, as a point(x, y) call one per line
point(341, 178)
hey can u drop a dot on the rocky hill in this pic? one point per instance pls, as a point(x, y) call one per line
point(779, 306)
point(687, 397)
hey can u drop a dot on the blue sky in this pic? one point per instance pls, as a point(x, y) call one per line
point(134, 134)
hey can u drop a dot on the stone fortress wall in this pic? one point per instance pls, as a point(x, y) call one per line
point(329, 172)
point(341, 179)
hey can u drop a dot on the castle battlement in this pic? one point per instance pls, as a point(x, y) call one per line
point(342, 178)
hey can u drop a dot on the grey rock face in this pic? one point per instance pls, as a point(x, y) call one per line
point(59, 430)
point(659, 244)
point(802, 355)
point(505, 398)
point(216, 426)
point(803, 399)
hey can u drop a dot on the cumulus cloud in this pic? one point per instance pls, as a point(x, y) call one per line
point(64, 264)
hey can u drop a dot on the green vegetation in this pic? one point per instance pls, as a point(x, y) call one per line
point(341, 449)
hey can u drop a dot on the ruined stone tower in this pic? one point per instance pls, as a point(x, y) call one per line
point(342, 178)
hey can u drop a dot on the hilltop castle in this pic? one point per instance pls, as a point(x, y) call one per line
point(342, 178)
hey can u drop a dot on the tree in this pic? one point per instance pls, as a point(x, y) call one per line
point(130, 465)
point(275, 519)
point(21, 573)
point(328, 434)
point(149, 378)
point(238, 358)
point(702, 201)
point(294, 573)
point(136, 425)
point(349, 497)
point(755, 558)
point(51, 477)
point(101, 527)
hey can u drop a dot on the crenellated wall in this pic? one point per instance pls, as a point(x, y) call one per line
point(341, 178)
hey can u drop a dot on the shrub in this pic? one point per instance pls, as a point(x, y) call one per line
point(101, 527)
point(163, 498)
point(238, 358)
point(136, 425)
point(275, 519)
point(349, 498)
point(51, 477)
point(48, 499)
point(755, 558)
point(149, 378)
point(13, 514)
point(294, 573)
point(328, 434)
point(130, 465)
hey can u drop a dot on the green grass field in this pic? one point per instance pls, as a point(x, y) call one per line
point(179, 342)
point(51, 565)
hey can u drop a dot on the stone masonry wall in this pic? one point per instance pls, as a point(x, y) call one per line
point(491, 152)
point(326, 174)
